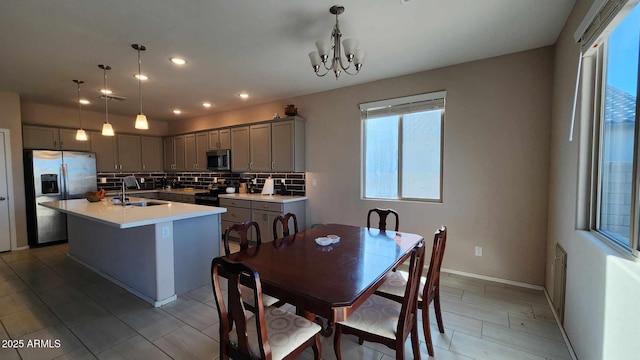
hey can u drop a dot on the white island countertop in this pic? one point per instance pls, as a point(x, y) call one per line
point(125, 217)
point(268, 198)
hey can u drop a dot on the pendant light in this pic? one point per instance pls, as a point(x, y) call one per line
point(81, 135)
point(141, 119)
point(107, 129)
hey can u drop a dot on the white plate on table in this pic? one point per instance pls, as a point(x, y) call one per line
point(327, 240)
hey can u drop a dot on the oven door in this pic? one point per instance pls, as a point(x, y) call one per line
point(219, 160)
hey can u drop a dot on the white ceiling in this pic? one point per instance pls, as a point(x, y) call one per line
point(259, 47)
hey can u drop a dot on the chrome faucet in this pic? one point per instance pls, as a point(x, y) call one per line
point(123, 198)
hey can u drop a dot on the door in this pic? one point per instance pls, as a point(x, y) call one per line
point(240, 149)
point(151, 153)
point(282, 145)
point(68, 141)
point(105, 149)
point(48, 185)
point(202, 145)
point(80, 173)
point(260, 140)
point(190, 151)
point(5, 222)
point(39, 137)
point(129, 158)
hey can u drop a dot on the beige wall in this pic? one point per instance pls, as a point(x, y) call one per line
point(10, 119)
point(496, 159)
point(602, 286)
point(50, 115)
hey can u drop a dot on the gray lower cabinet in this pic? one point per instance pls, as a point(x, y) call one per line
point(262, 212)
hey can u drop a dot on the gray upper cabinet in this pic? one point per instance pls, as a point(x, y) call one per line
point(196, 146)
point(240, 153)
point(169, 154)
point(68, 141)
point(225, 139)
point(151, 149)
point(202, 146)
point(129, 153)
point(43, 137)
point(260, 147)
point(288, 145)
point(190, 152)
point(180, 153)
point(105, 149)
point(220, 139)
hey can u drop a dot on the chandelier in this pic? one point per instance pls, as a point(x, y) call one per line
point(352, 53)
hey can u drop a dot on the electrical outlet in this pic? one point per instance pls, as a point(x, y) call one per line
point(282, 181)
point(103, 180)
point(478, 250)
point(165, 233)
point(178, 178)
point(195, 179)
point(314, 182)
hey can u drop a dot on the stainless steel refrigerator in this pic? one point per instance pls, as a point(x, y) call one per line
point(49, 176)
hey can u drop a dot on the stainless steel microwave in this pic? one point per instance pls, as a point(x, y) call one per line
point(219, 160)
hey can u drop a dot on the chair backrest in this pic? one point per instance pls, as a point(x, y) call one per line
point(233, 313)
point(242, 231)
point(382, 214)
point(284, 220)
point(410, 299)
point(437, 254)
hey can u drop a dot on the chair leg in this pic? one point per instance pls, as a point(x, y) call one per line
point(317, 348)
point(336, 341)
point(360, 341)
point(436, 306)
point(426, 327)
point(415, 342)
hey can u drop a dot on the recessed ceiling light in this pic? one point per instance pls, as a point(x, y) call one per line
point(84, 101)
point(141, 77)
point(206, 104)
point(177, 111)
point(178, 61)
point(244, 95)
point(106, 91)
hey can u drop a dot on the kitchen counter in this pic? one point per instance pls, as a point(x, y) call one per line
point(125, 217)
point(155, 252)
point(282, 199)
point(183, 191)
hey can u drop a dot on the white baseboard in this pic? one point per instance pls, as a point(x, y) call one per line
point(564, 334)
point(21, 248)
point(494, 279)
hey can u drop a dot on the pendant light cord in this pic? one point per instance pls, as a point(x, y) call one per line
point(79, 103)
point(106, 96)
point(139, 80)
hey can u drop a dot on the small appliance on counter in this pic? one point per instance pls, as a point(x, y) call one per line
point(268, 187)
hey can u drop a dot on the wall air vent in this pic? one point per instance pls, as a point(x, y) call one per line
point(113, 97)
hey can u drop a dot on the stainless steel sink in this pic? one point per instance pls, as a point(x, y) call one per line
point(146, 203)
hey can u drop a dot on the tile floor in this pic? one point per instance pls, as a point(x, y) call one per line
point(57, 309)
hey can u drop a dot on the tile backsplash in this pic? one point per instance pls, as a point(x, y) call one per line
point(295, 183)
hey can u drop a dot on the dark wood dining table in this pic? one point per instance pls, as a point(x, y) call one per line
point(330, 281)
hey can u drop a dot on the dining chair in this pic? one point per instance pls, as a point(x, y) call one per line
point(382, 215)
point(394, 287)
point(268, 333)
point(242, 230)
point(284, 220)
point(386, 321)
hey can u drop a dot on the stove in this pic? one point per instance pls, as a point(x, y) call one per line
point(209, 198)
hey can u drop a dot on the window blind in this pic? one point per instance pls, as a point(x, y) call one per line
point(599, 19)
point(404, 105)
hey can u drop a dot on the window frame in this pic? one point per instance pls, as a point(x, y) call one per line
point(401, 102)
point(596, 76)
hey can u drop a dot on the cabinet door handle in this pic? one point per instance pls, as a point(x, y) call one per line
point(251, 165)
point(144, 167)
point(2, 198)
point(120, 167)
point(115, 166)
point(265, 206)
point(273, 165)
point(55, 144)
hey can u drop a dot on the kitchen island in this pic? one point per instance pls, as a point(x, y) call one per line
point(156, 249)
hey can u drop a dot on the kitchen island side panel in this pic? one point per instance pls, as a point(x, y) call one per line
point(130, 256)
point(196, 242)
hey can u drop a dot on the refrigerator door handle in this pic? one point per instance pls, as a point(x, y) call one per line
point(65, 183)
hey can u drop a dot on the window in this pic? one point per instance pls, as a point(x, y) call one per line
point(614, 73)
point(402, 148)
